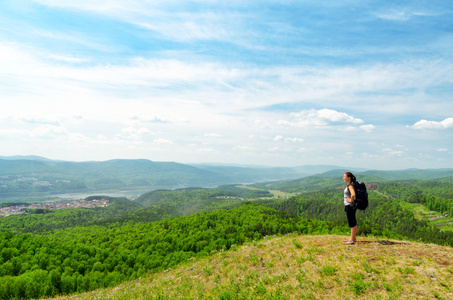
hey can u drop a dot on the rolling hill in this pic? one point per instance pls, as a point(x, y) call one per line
point(334, 178)
point(29, 176)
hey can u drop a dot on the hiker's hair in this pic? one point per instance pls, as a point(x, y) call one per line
point(350, 175)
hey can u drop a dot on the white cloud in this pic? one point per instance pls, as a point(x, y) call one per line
point(13, 132)
point(405, 14)
point(48, 131)
point(134, 133)
point(320, 117)
point(205, 150)
point(161, 141)
point(283, 123)
point(277, 149)
point(204, 28)
point(68, 59)
point(42, 131)
point(368, 128)
point(288, 139)
point(213, 135)
point(32, 118)
point(243, 148)
point(179, 82)
point(39, 119)
point(274, 149)
point(169, 19)
point(392, 152)
point(294, 140)
point(396, 15)
point(425, 124)
point(100, 6)
point(133, 130)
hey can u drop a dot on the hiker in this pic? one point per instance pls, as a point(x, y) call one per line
point(350, 207)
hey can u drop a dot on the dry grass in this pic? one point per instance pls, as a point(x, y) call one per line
point(301, 267)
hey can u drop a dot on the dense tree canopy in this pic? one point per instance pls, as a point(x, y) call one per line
point(85, 258)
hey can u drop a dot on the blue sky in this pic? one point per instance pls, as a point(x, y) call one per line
point(278, 83)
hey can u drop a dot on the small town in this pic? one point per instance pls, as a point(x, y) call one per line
point(22, 209)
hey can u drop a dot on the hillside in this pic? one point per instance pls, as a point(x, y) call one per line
point(301, 267)
point(333, 179)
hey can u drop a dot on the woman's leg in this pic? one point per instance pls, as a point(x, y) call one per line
point(353, 233)
point(352, 221)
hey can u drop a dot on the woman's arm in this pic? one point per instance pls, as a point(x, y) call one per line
point(352, 191)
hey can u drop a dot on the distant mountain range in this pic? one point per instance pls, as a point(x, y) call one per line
point(34, 175)
point(25, 157)
point(222, 174)
point(22, 176)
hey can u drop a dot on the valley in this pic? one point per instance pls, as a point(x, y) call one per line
point(281, 239)
point(21, 178)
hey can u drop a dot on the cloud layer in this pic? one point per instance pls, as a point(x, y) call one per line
point(253, 82)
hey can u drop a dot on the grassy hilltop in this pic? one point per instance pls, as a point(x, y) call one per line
point(301, 267)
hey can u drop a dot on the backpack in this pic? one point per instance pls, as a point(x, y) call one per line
point(361, 195)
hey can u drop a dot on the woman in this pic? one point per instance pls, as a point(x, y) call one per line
point(350, 208)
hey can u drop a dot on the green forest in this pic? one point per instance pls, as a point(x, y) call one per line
point(45, 253)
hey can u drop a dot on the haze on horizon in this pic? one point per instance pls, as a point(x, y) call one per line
point(274, 83)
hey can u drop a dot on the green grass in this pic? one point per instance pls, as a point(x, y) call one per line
point(301, 267)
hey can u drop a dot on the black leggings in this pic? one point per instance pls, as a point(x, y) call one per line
point(350, 213)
